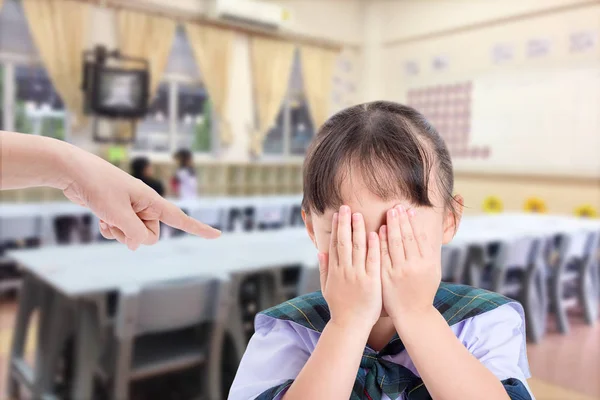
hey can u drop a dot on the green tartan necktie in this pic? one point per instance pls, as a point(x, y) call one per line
point(377, 376)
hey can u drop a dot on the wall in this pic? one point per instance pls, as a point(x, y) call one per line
point(403, 20)
point(336, 20)
point(419, 31)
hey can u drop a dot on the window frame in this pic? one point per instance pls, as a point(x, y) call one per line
point(173, 81)
point(10, 62)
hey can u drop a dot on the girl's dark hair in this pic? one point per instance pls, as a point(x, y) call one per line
point(393, 146)
point(138, 165)
point(183, 157)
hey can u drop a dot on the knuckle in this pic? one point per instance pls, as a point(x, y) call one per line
point(385, 251)
point(422, 236)
point(356, 246)
point(408, 238)
point(397, 242)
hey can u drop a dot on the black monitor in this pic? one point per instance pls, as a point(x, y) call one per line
point(115, 92)
point(119, 93)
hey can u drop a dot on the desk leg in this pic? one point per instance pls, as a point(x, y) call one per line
point(535, 301)
point(28, 301)
point(54, 326)
point(588, 290)
point(215, 362)
point(87, 350)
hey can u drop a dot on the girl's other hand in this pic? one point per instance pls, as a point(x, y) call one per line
point(410, 266)
point(351, 273)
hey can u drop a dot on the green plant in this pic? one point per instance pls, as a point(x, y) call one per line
point(22, 123)
point(202, 141)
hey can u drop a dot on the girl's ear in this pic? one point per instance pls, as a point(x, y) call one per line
point(452, 219)
point(309, 226)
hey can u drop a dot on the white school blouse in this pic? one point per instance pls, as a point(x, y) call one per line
point(279, 349)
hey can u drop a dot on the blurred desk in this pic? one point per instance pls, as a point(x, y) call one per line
point(80, 278)
point(211, 210)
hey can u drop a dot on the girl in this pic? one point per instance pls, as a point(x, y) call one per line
point(184, 182)
point(378, 204)
point(142, 170)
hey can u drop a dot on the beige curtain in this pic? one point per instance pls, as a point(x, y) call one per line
point(59, 30)
point(271, 67)
point(149, 37)
point(317, 73)
point(212, 49)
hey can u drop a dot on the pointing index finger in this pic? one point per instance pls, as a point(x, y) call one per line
point(172, 215)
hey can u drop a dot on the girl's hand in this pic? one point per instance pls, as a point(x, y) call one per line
point(410, 266)
point(351, 273)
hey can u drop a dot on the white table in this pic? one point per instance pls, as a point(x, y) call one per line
point(16, 218)
point(84, 275)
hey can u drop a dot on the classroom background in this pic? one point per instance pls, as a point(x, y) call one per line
point(236, 91)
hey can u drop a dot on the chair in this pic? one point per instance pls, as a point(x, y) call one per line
point(241, 219)
point(571, 277)
point(296, 216)
point(589, 279)
point(16, 233)
point(69, 229)
point(270, 217)
point(158, 331)
point(57, 318)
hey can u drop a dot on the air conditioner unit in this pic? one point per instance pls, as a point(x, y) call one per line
point(257, 13)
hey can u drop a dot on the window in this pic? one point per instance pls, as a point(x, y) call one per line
point(153, 131)
point(180, 116)
point(28, 101)
point(274, 141)
point(38, 108)
point(301, 125)
point(293, 130)
point(194, 122)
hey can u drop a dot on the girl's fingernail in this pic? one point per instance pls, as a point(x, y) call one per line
point(356, 217)
point(372, 236)
point(103, 225)
point(383, 229)
point(344, 210)
point(393, 213)
point(400, 208)
point(412, 212)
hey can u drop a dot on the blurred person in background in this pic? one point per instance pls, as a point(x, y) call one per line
point(184, 183)
point(129, 210)
point(141, 168)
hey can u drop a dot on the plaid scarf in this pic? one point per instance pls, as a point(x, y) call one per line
point(376, 375)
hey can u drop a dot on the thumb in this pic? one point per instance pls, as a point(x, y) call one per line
point(132, 226)
point(323, 269)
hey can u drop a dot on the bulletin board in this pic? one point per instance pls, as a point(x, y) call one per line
point(543, 121)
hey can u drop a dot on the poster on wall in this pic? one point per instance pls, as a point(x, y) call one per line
point(583, 41)
point(538, 47)
point(502, 53)
point(411, 68)
point(440, 63)
point(448, 108)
